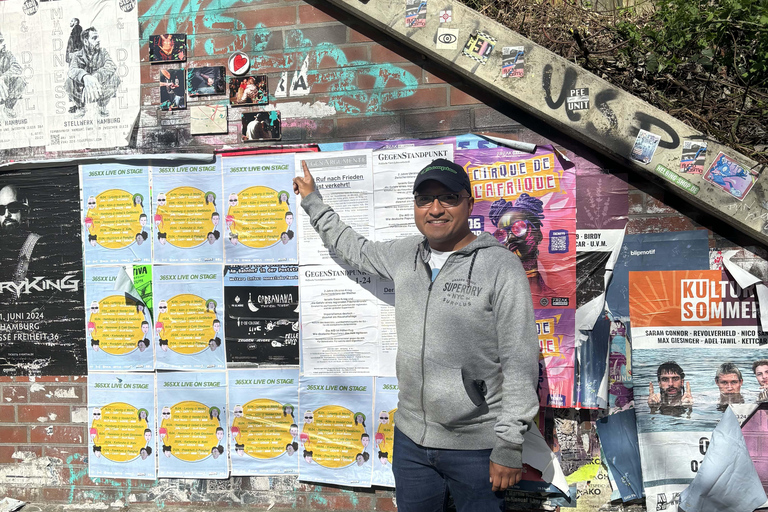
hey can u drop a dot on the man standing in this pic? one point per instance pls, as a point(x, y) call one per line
point(729, 380)
point(467, 346)
point(18, 243)
point(12, 84)
point(671, 384)
point(760, 368)
point(92, 76)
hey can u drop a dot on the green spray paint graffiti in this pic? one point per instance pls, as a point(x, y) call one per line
point(390, 81)
point(123, 487)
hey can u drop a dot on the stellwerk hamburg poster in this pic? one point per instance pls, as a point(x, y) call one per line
point(215, 270)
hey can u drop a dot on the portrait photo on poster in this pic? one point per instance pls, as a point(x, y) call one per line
point(41, 276)
point(206, 81)
point(261, 126)
point(168, 48)
point(248, 90)
point(173, 89)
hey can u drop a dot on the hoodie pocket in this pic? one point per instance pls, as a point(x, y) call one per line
point(445, 397)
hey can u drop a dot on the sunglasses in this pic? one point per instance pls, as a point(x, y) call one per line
point(14, 207)
point(384, 418)
point(233, 201)
point(162, 307)
point(517, 229)
point(308, 417)
point(445, 200)
point(91, 203)
point(97, 414)
point(166, 414)
point(159, 200)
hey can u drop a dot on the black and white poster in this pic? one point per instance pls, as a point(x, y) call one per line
point(41, 276)
point(69, 72)
point(262, 314)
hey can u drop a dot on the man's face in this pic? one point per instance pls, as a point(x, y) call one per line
point(215, 220)
point(143, 220)
point(166, 414)
point(93, 41)
point(289, 449)
point(308, 417)
point(216, 326)
point(284, 238)
point(143, 454)
point(220, 434)
point(294, 431)
point(289, 219)
point(215, 453)
point(72, 23)
point(360, 460)
point(238, 412)
point(671, 385)
point(443, 227)
point(729, 384)
point(147, 435)
point(365, 440)
point(10, 209)
point(211, 238)
point(384, 417)
point(761, 372)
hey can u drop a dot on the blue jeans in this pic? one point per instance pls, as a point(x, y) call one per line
point(425, 476)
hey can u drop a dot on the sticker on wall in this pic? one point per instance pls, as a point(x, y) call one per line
point(300, 84)
point(512, 61)
point(239, 63)
point(208, 119)
point(446, 15)
point(645, 146)
point(415, 13)
point(694, 154)
point(447, 39)
point(248, 90)
point(281, 91)
point(206, 81)
point(479, 47)
point(173, 89)
point(261, 126)
point(727, 174)
point(168, 48)
point(578, 99)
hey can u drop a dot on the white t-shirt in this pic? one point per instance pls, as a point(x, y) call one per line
point(437, 260)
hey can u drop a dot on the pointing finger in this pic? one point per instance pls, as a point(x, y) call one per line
point(306, 169)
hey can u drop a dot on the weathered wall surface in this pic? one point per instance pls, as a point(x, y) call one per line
point(362, 86)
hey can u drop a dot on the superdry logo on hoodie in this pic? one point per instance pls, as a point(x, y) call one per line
point(459, 293)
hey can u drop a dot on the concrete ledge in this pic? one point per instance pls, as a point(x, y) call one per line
point(609, 125)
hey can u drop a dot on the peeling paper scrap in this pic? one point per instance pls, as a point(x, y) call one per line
point(745, 280)
point(727, 479)
point(10, 504)
point(538, 455)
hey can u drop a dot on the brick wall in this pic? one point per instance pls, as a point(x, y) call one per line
point(380, 90)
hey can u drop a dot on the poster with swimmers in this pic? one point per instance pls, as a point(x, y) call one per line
point(118, 326)
point(697, 348)
point(259, 209)
point(187, 214)
point(189, 310)
point(191, 421)
point(379, 445)
point(261, 306)
point(90, 54)
point(264, 432)
point(122, 433)
point(116, 214)
point(335, 427)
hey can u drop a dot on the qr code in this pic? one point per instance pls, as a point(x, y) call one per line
point(55, 140)
point(558, 241)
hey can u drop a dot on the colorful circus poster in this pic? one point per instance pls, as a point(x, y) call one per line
point(121, 426)
point(335, 429)
point(260, 209)
point(555, 328)
point(119, 335)
point(189, 309)
point(264, 432)
point(116, 226)
point(188, 214)
point(191, 423)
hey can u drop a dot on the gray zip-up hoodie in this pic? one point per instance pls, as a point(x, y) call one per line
point(469, 331)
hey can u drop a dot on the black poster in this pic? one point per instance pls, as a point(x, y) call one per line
point(261, 315)
point(41, 273)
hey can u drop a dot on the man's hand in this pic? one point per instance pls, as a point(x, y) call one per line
point(92, 89)
point(503, 477)
point(653, 398)
point(687, 396)
point(306, 185)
